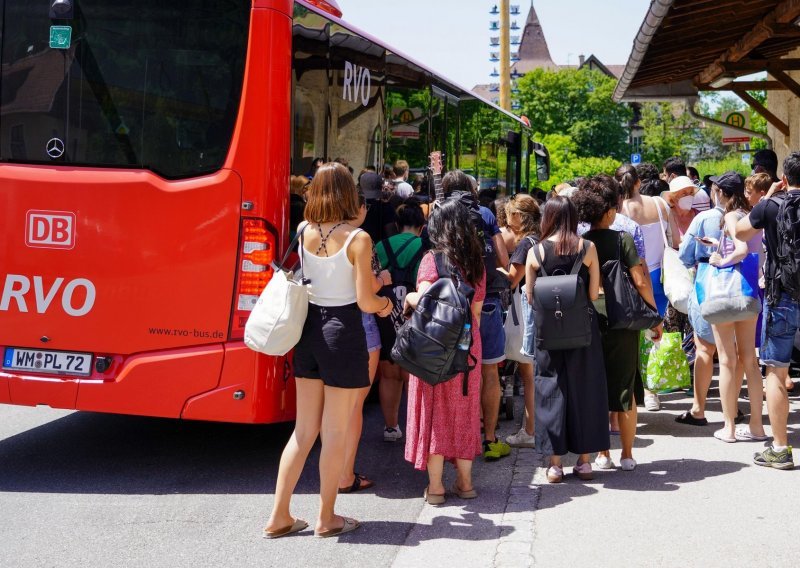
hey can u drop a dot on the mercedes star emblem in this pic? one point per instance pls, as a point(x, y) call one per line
point(55, 148)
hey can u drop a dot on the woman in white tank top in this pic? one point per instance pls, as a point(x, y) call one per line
point(652, 214)
point(330, 361)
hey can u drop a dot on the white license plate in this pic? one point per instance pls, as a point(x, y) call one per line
point(53, 362)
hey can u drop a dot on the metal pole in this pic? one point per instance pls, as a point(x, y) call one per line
point(505, 55)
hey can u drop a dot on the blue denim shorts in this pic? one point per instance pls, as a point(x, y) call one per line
point(701, 327)
point(528, 328)
point(781, 323)
point(493, 335)
point(371, 329)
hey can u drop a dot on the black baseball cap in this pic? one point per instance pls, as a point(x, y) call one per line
point(730, 182)
point(371, 185)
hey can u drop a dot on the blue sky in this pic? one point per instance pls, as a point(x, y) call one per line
point(452, 36)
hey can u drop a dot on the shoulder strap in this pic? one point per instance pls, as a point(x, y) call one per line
point(298, 238)
point(441, 265)
point(661, 220)
point(581, 255)
point(620, 239)
point(390, 254)
point(416, 258)
point(350, 238)
point(539, 259)
point(403, 247)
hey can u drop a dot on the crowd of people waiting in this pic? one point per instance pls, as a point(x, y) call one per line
point(377, 244)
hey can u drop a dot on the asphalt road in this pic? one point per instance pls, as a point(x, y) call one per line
point(81, 489)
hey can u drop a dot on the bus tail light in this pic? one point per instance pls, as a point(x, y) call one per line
point(257, 245)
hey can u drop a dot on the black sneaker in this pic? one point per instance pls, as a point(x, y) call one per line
point(771, 458)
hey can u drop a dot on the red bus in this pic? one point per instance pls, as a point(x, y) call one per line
point(146, 148)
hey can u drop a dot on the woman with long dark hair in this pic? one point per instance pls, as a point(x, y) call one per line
point(571, 396)
point(331, 362)
point(442, 423)
point(736, 341)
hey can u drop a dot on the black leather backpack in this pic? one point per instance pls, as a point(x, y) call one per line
point(562, 311)
point(625, 307)
point(427, 344)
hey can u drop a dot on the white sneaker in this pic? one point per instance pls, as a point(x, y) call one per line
point(628, 464)
point(521, 439)
point(651, 402)
point(604, 462)
point(392, 434)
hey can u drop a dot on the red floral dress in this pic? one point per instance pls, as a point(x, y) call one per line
point(441, 420)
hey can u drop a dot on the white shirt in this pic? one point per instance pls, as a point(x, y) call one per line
point(403, 188)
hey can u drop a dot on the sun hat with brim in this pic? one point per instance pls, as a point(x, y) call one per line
point(730, 182)
point(681, 183)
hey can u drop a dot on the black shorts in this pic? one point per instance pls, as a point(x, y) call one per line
point(333, 347)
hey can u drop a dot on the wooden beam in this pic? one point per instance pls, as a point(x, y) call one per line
point(783, 78)
point(784, 13)
point(747, 86)
point(785, 31)
point(747, 66)
point(782, 127)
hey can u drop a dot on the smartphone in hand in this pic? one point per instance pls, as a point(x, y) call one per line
point(707, 241)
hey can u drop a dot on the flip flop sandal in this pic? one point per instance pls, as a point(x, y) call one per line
point(687, 418)
point(744, 435)
point(471, 494)
point(348, 526)
point(297, 526)
point(359, 484)
point(432, 499)
point(720, 435)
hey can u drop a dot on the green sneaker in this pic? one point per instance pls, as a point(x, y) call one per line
point(495, 450)
point(490, 453)
point(771, 458)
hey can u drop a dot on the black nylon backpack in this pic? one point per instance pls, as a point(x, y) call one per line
point(562, 311)
point(787, 264)
point(427, 344)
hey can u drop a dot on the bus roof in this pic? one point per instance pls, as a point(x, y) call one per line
point(452, 84)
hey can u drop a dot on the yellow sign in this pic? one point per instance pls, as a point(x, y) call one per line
point(736, 119)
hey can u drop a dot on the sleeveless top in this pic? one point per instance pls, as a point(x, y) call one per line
point(654, 237)
point(563, 264)
point(727, 246)
point(332, 278)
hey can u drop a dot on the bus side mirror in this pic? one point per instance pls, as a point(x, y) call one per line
point(542, 161)
point(61, 10)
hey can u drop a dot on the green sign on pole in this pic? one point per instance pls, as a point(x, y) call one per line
point(60, 37)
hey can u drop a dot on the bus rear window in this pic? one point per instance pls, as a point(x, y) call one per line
point(151, 84)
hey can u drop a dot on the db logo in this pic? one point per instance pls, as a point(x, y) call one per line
point(50, 229)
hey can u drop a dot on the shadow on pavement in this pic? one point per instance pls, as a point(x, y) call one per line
point(468, 527)
point(112, 454)
point(661, 475)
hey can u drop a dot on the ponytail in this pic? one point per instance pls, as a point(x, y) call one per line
point(628, 178)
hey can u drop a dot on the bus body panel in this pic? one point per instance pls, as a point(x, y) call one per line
point(154, 384)
point(37, 390)
point(153, 260)
point(268, 390)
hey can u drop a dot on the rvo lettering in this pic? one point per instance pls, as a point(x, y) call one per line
point(357, 83)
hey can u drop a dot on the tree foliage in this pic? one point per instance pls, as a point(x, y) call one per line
point(670, 130)
point(577, 103)
point(566, 165)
